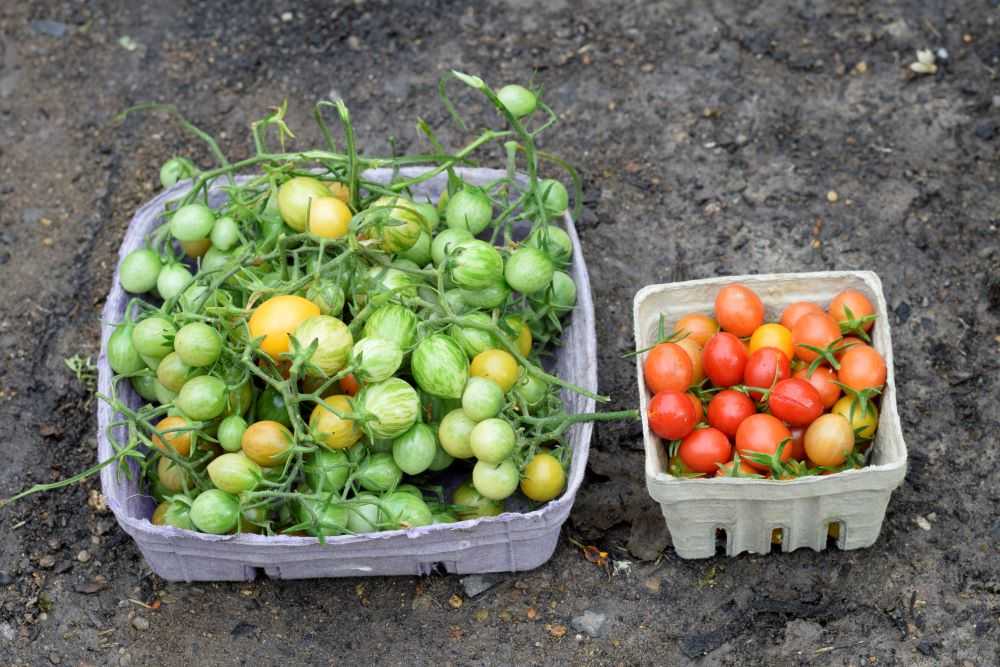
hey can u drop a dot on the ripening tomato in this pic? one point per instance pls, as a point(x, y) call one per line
point(693, 350)
point(794, 311)
point(824, 380)
point(699, 409)
point(857, 303)
point(329, 217)
point(764, 368)
point(772, 335)
point(729, 469)
point(698, 327)
point(340, 191)
point(349, 384)
point(795, 401)
point(863, 422)
point(739, 309)
point(180, 441)
point(728, 409)
point(816, 330)
point(671, 415)
point(848, 343)
point(267, 443)
point(703, 449)
point(724, 359)
point(798, 443)
point(276, 318)
point(331, 429)
point(862, 368)
point(762, 433)
point(829, 440)
point(668, 368)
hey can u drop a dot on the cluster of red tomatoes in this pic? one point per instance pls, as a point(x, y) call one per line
point(737, 396)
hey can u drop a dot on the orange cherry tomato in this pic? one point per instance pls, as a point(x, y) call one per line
point(794, 311)
point(862, 368)
point(180, 441)
point(762, 433)
point(693, 350)
point(825, 381)
point(772, 335)
point(194, 249)
point(829, 440)
point(349, 384)
point(815, 329)
point(340, 191)
point(668, 368)
point(846, 344)
point(857, 303)
point(739, 310)
point(267, 443)
point(699, 327)
point(276, 318)
point(699, 409)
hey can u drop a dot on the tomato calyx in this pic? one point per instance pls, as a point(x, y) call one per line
point(826, 354)
point(661, 337)
point(853, 461)
point(676, 467)
point(856, 325)
point(862, 400)
point(773, 461)
point(734, 469)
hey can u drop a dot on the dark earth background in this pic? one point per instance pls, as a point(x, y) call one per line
point(709, 134)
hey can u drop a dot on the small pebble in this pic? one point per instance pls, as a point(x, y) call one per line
point(83, 556)
point(45, 562)
point(54, 658)
point(287, 16)
point(140, 623)
point(832, 196)
point(923, 523)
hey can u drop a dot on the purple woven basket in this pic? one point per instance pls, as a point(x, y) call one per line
point(510, 542)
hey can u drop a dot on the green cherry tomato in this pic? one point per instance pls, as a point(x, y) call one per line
point(519, 100)
point(326, 470)
point(563, 297)
point(225, 234)
point(326, 517)
point(495, 481)
point(379, 472)
point(215, 511)
point(442, 460)
point(271, 406)
point(176, 169)
point(173, 513)
point(364, 514)
point(123, 358)
point(528, 270)
point(445, 241)
point(294, 196)
point(202, 398)
point(492, 440)
point(420, 252)
point(414, 451)
point(454, 432)
point(553, 241)
point(173, 373)
point(215, 259)
point(192, 222)
point(473, 504)
point(430, 215)
point(231, 431)
point(163, 395)
point(555, 196)
point(139, 270)
point(482, 399)
point(405, 510)
point(173, 279)
point(152, 337)
point(531, 389)
point(234, 473)
point(198, 344)
point(470, 209)
point(144, 385)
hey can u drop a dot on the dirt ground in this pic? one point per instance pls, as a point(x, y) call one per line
point(710, 135)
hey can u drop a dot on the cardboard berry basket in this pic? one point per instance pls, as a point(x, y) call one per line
point(510, 542)
point(749, 510)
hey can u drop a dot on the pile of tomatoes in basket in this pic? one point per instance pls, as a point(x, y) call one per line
point(737, 396)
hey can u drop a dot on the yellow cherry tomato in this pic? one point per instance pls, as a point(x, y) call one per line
point(524, 338)
point(863, 423)
point(332, 430)
point(340, 191)
point(772, 335)
point(276, 318)
point(329, 217)
point(497, 365)
point(544, 477)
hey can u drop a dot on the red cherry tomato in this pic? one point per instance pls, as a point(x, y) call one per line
point(795, 401)
point(668, 368)
point(814, 329)
point(349, 384)
point(825, 382)
point(762, 433)
point(728, 409)
point(798, 443)
point(765, 367)
point(862, 368)
point(739, 309)
point(724, 359)
point(703, 448)
point(671, 415)
point(794, 311)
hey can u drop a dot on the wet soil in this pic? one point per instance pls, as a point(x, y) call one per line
point(709, 135)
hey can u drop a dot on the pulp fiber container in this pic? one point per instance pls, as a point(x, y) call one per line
point(748, 510)
point(510, 542)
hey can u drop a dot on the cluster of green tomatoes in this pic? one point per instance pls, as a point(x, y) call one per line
point(320, 353)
